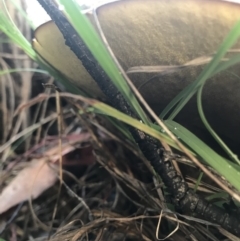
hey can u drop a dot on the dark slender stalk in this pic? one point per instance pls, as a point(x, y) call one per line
point(184, 199)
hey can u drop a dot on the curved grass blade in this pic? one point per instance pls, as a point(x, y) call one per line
point(209, 128)
point(224, 167)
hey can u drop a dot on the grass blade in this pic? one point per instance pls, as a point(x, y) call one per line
point(224, 167)
point(209, 128)
point(99, 51)
point(185, 95)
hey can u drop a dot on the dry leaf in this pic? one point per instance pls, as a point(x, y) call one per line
point(30, 182)
point(38, 176)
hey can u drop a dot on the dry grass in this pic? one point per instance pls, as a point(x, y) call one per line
point(108, 193)
point(115, 197)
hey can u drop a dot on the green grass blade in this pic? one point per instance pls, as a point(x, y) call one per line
point(224, 167)
point(209, 128)
point(9, 71)
point(198, 182)
point(13, 33)
point(222, 195)
point(185, 95)
point(114, 113)
point(99, 51)
point(16, 37)
point(221, 67)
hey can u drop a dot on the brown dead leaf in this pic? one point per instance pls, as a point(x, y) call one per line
point(30, 182)
point(38, 175)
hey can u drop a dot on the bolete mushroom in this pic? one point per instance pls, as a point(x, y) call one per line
point(162, 33)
